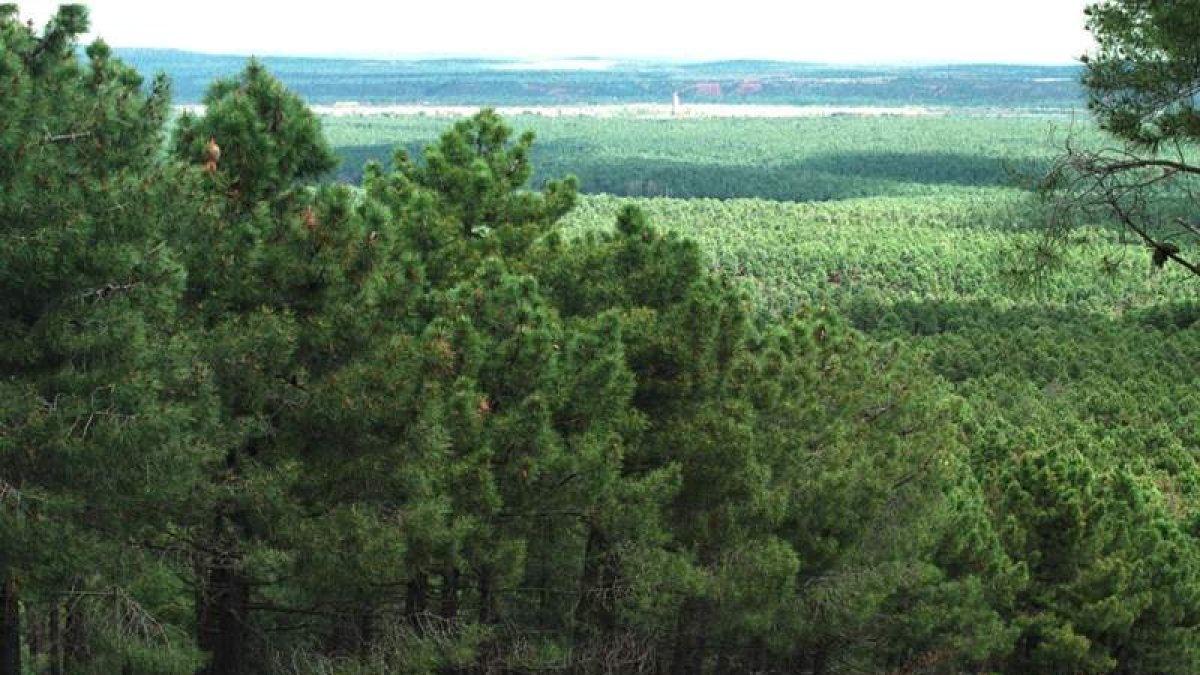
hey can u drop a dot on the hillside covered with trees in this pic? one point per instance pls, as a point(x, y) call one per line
point(254, 420)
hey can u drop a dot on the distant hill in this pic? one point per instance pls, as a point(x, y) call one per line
point(584, 81)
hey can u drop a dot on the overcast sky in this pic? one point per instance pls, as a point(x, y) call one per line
point(844, 31)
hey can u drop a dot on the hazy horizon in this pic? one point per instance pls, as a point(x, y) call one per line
point(568, 60)
point(859, 32)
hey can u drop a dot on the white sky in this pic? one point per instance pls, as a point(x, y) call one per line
point(843, 31)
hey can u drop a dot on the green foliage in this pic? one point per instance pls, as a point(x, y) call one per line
point(877, 258)
point(473, 410)
point(1141, 81)
point(798, 159)
point(447, 423)
point(473, 181)
point(268, 138)
point(103, 406)
point(1082, 383)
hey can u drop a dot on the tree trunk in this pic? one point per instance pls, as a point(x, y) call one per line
point(223, 606)
point(416, 597)
point(487, 598)
point(595, 608)
point(690, 638)
point(223, 615)
point(815, 662)
point(75, 644)
point(351, 634)
point(56, 640)
point(450, 595)
point(10, 623)
point(35, 634)
point(726, 664)
point(820, 662)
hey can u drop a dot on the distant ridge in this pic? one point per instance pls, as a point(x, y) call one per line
point(444, 80)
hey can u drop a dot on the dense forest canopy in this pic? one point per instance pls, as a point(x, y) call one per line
point(447, 420)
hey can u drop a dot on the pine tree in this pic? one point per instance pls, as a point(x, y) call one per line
point(271, 268)
point(600, 420)
point(450, 439)
point(103, 406)
point(509, 421)
point(1110, 571)
point(810, 462)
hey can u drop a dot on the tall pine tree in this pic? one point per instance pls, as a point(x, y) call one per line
point(103, 405)
point(272, 268)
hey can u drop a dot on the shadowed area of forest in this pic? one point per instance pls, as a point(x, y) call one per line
point(822, 177)
point(802, 159)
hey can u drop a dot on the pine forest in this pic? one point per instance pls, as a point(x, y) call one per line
point(579, 372)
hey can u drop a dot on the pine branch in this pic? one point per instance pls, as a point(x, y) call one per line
point(543, 514)
point(13, 494)
point(1190, 227)
point(108, 290)
point(1179, 167)
point(122, 614)
point(66, 138)
point(1161, 249)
